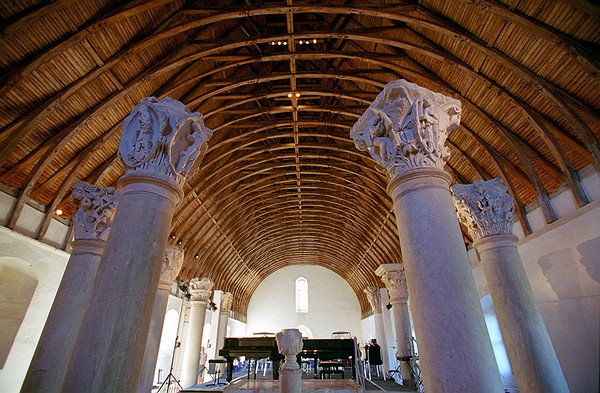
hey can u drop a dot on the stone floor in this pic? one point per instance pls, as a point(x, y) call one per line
point(265, 384)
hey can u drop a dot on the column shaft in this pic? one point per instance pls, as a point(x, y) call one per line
point(193, 342)
point(110, 345)
point(528, 344)
point(153, 341)
point(222, 330)
point(382, 341)
point(403, 335)
point(455, 349)
point(51, 358)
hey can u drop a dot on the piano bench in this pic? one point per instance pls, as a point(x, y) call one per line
point(329, 372)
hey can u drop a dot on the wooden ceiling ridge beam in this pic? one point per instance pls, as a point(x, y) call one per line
point(19, 129)
point(586, 59)
point(560, 99)
point(128, 10)
point(481, 171)
point(182, 211)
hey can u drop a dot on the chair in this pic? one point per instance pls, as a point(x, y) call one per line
point(215, 368)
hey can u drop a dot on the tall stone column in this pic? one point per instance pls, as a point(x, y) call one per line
point(91, 224)
point(374, 298)
point(487, 210)
point(226, 302)
point(404, 131)
point(161, 144)
point(392, 275)
point(199, 290)
point(170, 269)
point(289, 344)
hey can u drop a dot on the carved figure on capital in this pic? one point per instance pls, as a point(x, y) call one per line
point(162, 138)
point(406, 127)
point(484, 207)
point(96, 208)
point(374, 298)
point(226, 301)
point(200, 289)
point(395, 282)
point(171, 264)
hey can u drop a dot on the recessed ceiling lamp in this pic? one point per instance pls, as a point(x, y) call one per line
point(59, 212)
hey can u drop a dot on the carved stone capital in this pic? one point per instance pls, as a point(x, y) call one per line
point(374, 298)
point(394, 278)
point(200, 289)
point(289, 344)
point(226, 301)
point(96, 207)
point(163, 139)
point(406, 127)
point(484, 207)
point(171, 265)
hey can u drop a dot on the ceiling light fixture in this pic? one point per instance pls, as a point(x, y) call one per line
point(59, 212)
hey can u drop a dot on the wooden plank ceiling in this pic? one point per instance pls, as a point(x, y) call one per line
point(281, 83)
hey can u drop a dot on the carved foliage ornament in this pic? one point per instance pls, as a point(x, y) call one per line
point(96, 207)
point(395, 282)
point(171, 264)
point(484, 207)
point(406, 127)
point(200, 289)
point(374, 298)
point(162, 138)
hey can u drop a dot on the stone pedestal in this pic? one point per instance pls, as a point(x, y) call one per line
point(160, 145)
point(91, 225)
point(170, 269)
point(404, 130)
point(199, 291)
point(289, 343)
point(487, 209)
point(394, 279)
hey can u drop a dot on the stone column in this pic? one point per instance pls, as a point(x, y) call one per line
point(392, 275)
point(161, 144)
point(199, 290)
point(289, 344)
point(91, 224)
point(226, 302)
point(487, 210)
point(374, 298)
point(404, 131)
point(170, 269)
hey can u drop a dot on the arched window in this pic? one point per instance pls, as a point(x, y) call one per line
point(301, 294)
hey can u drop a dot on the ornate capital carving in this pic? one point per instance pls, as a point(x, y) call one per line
point(374, 298)
point(484, 207)
point(226, 301)
point(406, 127)
point(171, 264)
point(200, 289)
point(395, 282)
point(163, 139)
point(289, 344)
point(96, 207)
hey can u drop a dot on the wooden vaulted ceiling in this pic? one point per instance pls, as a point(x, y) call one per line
point(282, 182)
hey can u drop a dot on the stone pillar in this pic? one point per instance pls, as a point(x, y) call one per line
point(404, 131)
point(289, 344)
point(487, 210)
point(199, 290)
point(161, 144)
point(392, 275)
point(170, 269)
point(374, 298)
point(226, 302)
point(91, 224)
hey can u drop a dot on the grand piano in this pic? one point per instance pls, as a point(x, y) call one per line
point(266, 347)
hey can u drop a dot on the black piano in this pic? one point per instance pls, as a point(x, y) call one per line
point(266, 347)
point(251, 348)
point(325, 349)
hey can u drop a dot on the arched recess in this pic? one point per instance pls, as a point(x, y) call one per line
point(17, 286)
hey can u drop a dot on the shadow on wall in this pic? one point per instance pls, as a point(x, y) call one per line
point(16, 291)
point(590, 257)
point(561, 272)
